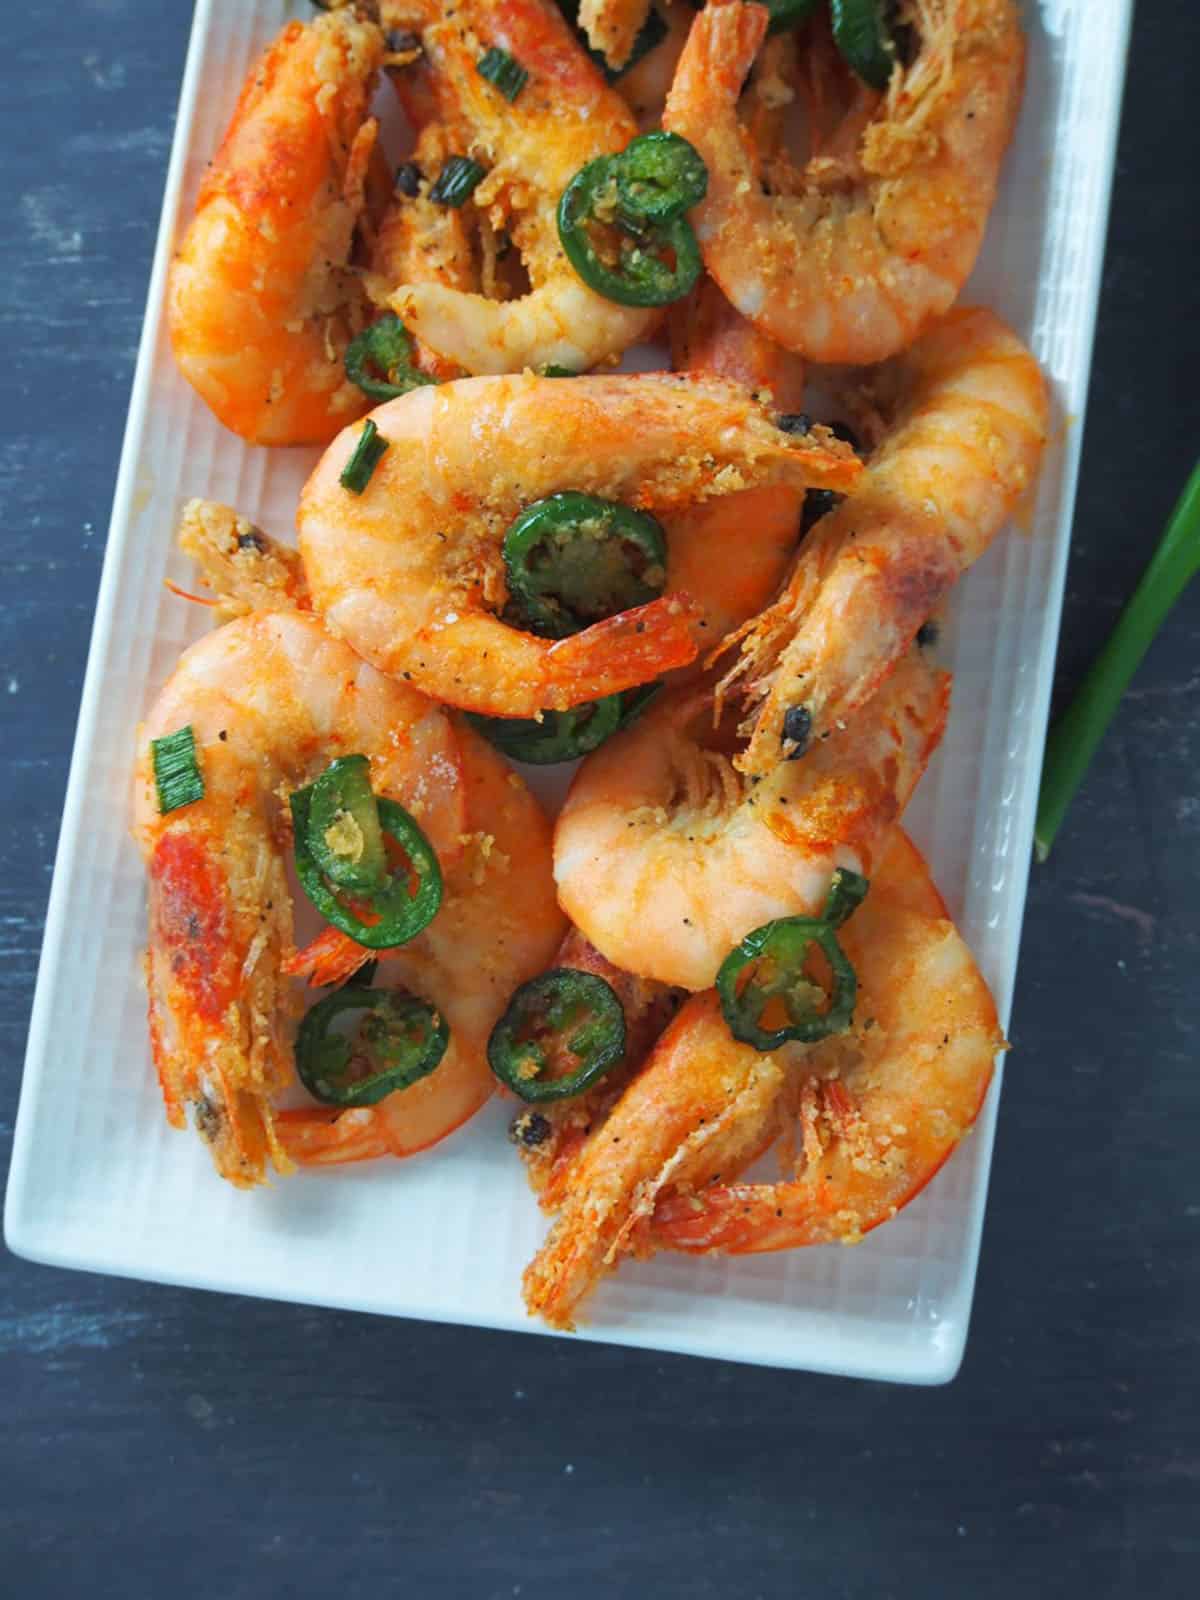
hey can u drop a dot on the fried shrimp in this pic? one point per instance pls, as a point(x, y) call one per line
point(412, 571)
point(498, 925)
point(882, 1107)
point(969, 414)
point(564, 116)
point(665, 857)
point(270, 700)
point(877, 234)
point(262, 303)
point(879, 1108)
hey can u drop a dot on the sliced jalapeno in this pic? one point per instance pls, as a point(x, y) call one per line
point(380, 360)
point(659, 177)
point(404, 900)
point(633, 262)
point(766, 972)
point(559, 736)
point(573, 559)
point(564, 735)
point(398, 1041)
point(847, 891)
point(562, 1031)
point(344, 835)
point(861, 34)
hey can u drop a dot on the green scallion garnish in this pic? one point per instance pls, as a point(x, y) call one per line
point(456, 182)
point(504, 71)
point(1077, 733)
point(176, 775)
point(356, 474)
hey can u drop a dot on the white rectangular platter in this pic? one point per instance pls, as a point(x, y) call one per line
point(98, 1181)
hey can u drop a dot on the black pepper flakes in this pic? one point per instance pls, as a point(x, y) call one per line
point(529, 1130)
point(408, 179)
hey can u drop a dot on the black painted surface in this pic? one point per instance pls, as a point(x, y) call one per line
point(163, 1442)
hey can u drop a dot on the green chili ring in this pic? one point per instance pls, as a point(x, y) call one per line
point(573, 559)
point(401, 914)
point(847, 891)
point(343, 810)
point(557, 1001)
point(385, 347)
point(564, 735)
point(404, 1035)
point(559, 736)
point(659, 177)
point(643, 279)
point(785, 943)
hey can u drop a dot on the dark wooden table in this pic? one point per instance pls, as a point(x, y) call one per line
point(158, 1442)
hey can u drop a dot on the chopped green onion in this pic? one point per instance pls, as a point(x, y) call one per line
point(176, 775)
point(501, 69)
point(456, 182)
point(1077, 733)
point(356, 474)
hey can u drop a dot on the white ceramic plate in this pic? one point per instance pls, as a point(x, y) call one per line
point(98, 1180)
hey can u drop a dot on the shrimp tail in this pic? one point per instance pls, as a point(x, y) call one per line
point(332, 957)
point(621, 652)
point(315, 1138)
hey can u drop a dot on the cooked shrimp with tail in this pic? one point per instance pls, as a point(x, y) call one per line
point(876, 235)
point(968, 414)
point(262, 299)
point(882, 1107)
point(416, 571)
point(878, 1108)
point(271, 700)
point(564, 116)
point(665, 856)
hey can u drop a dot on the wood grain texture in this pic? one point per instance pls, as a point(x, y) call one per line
point(158, 1441)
